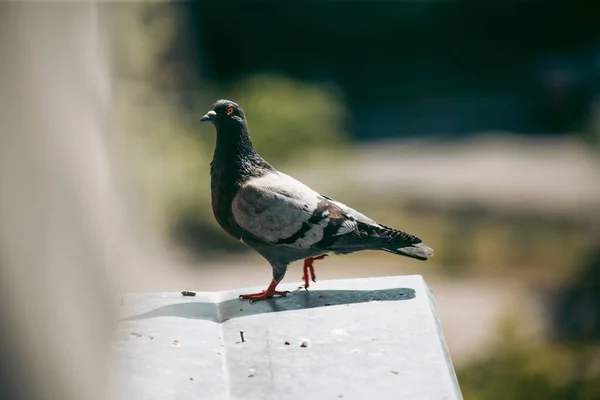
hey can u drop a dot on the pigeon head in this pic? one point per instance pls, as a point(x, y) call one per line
point(225, 113)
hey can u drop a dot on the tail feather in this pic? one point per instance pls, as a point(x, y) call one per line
point(381, 237)
point(418, 251)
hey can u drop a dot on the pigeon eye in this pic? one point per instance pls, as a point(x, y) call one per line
point(230, 111)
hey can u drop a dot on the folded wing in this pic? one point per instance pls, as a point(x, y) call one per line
point(280, 210)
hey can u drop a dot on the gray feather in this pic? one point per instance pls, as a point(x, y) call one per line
point(419, 251)
point(276, 206)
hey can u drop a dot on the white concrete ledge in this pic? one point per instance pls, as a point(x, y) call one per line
point(350, 339)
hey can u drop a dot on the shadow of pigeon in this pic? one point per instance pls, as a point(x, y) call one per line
point(299, 300)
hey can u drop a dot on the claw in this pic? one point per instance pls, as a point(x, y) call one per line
point(308, 268)
point(265, 294)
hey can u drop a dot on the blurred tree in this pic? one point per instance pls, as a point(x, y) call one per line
point(576, 311)
point(290, 119)
point(153, 142)
point(566, 367)
point(518, 368)
point(591, 133)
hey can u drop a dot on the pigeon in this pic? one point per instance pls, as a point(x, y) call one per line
point(281, 218)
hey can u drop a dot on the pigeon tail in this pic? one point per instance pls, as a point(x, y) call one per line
point(418, 251)
point(380, 237)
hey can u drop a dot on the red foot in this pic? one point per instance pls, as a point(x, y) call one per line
point(265, 294)
point(308, 267)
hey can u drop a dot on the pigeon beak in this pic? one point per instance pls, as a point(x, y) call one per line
point(209, 116)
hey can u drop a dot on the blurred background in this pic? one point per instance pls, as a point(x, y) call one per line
point(474, 126)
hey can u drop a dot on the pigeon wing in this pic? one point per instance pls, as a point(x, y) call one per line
point(280, 210)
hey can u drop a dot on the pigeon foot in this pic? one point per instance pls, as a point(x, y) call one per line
point(308, 268)
point(265, 294)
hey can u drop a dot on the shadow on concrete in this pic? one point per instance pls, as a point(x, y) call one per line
point(298, 300)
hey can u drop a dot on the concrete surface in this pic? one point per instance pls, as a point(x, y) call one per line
point(351, 339)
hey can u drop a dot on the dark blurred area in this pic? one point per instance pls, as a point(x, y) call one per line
point(576, 308)
point(474, 125)
point(418, 67)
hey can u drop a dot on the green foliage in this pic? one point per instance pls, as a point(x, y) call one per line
point(591, 133)
point(518, 368)
point(289, 119)
point(159, 159)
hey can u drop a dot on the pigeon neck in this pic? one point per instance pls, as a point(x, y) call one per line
point(234, 149)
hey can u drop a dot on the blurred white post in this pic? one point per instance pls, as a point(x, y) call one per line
point(59, 225)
